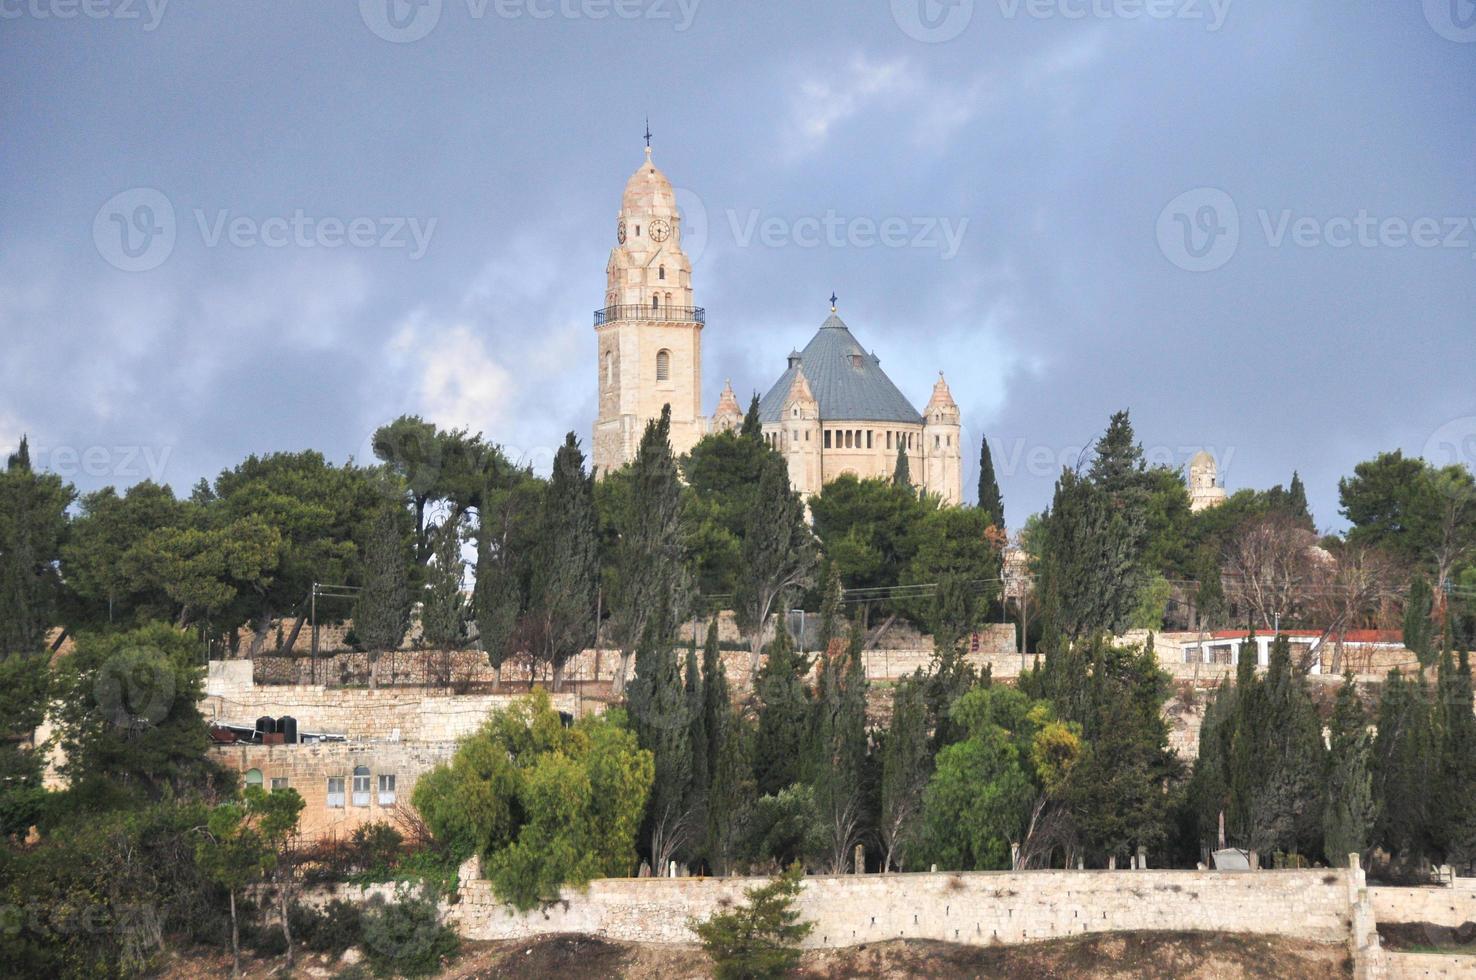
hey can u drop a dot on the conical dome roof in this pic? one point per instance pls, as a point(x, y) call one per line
point(848, 383)
point(648, 191)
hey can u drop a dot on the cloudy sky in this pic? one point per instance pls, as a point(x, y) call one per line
point(234, 228)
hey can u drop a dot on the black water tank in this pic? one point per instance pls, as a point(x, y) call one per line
point(265, 726)
point(287, 725)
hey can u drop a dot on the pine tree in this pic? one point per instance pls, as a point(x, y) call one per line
point(783, 717)
point(752, 427)
point(1117, 463)
point(990, 500)
point(382, 609)
point(901, 476)
point(1348, 813)
point(762, 937)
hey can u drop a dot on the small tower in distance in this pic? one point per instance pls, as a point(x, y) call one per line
point(799, 435)
point(1204, 484)
point(942, 454)
point(729, 414)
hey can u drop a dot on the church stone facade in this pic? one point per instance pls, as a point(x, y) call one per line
point(832, 412)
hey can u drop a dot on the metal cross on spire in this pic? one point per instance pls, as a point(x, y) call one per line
point(648, 132)
point(832, 301)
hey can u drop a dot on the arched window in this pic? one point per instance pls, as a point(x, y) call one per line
point(253, 777)
point(661, 272)
point(609, 367)
point(655, 301)
point(663, 365)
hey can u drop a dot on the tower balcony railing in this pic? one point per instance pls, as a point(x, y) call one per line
point(636, 311)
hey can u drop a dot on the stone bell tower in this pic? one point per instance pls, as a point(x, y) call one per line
point(649, 331)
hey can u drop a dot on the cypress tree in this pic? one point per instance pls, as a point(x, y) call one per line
point(752, 427)
point(1348, 813)
point(990, 500)
point(783, 718)
point(1405, 754)
point(382, 609)
point(732, 793)
point(565, 576)
point(1297, 501)
point(700, 742)
point(32, 522)
point(1289, 805)
point(659, 706)
point(900, 473)
point(837, 750)
point(1454, 800)
point(1419, 628)
point(444, 610)
point(907, 764)
point(716, 699)
point(1247, 747)
point(830, 607)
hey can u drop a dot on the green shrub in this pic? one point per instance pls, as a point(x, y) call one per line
point(759, 939)
point(407, 937)
point(331, 929)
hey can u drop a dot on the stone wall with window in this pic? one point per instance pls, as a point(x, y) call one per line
point(343, 784)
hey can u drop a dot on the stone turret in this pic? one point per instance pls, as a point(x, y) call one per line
point(942, 454)
point(729, 414)
point(799, 434)
point(1204, 485)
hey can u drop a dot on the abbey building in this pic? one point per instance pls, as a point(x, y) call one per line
point(832, 411)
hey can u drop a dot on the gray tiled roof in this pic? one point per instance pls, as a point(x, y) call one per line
point(847, 388)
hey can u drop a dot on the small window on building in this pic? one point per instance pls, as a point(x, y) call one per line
point(889, 438)
point(253, 777)
point(807, 435)
point(609, 367)
point(335, 791)
point(279, 782)
point(937, 443)
point(850, 438)
point(661, 272)
point(656, 301)
point(387, 790)
point(638, 231)
point(868, 438)
point(948, 441)
point(663, 365)
point(361, 786)
point(827, 438)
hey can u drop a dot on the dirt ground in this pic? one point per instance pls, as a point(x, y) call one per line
point(1121, 956)
point(1118, 956)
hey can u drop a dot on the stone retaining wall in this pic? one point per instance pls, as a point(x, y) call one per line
point(1449, 906)
point(972, 908)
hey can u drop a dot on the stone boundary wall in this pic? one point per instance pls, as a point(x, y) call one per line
point(1450, 907)
point(384, 715)
point(976, 908)
point(1430, 966)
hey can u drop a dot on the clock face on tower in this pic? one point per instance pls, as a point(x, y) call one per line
point(660, 230)
point(620, 231)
